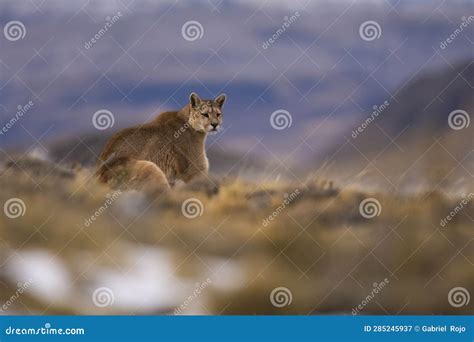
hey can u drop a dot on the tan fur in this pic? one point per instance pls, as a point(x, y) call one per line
point(169, 148)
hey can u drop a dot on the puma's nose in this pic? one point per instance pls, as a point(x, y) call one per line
point(214, 125)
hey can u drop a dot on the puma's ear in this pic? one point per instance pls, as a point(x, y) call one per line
point(220, 99)
point(194, 99)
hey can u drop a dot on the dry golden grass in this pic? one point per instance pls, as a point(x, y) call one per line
point(318, 246)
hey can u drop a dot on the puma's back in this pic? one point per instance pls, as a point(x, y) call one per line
point(137, 141)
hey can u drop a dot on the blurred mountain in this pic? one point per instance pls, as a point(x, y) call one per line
point(423, 104)
point(320, 70)
point(423, 133)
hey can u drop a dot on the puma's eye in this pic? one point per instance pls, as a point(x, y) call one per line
point(206, 115)
point(218, 114)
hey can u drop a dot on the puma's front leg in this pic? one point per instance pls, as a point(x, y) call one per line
point(196, 170)
point(194, 175)
point(199, 180)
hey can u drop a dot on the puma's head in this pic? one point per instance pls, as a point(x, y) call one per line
point(206, 115)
